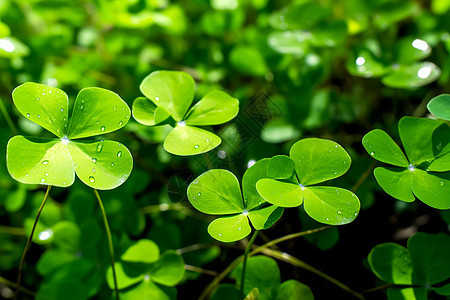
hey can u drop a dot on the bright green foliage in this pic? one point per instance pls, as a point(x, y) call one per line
point(425, 172)
point(170, 94)
point(99, 164)
point(316, 161)
point(423, 264)
point(440, 106)
point(398, 67)
point(217, 192)
point(263, 274)
point(145, 274)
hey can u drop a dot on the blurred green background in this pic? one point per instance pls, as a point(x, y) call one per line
point(329, 69)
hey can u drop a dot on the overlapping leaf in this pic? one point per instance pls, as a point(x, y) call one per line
point(143, 272)
point(413, 270)
point(217, 192)
point(99, 164)
point(315, 161)
point(424, 171)
point(169, 97)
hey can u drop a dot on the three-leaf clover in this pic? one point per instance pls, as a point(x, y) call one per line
point(54, 161)
point(169, 97)
point(423, 172)
point(217, 192)
point(414, 270)
point(311, 161)
point(147, 271)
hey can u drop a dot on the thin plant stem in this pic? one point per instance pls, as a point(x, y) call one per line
point(12, 230)
point(5, 114)
point(282, 256)
point(200, 270)
point(30, 238)
point(364, 176)
point(110, 243)
point(378, 288)
point(239, 259)
point(244, 263)
point(301, 264)
point(14, 285)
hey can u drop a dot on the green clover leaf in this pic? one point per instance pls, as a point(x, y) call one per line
point(147, 271)
point(100, 164)
point(415, 269)
point(169, 97)
point(423, 172)
point(440, 106)
point(315, 161)
point(403, 69)
point(217, 192)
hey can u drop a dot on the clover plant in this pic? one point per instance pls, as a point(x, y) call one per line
point(416, 270)
point(145, 274)
point(399, 68)
point(217, 192)
point(311, 161)
point(424, 171)
point(263, 275)
point(100, 164)
point(169, 98)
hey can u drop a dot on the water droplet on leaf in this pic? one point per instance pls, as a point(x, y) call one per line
point(120, 123)
point(442, 183)
point(45, 162)
point(91, 179)
point(102, 128)
point(196, 146)
point(28, 115)
point(119, 154)
point(94, 160)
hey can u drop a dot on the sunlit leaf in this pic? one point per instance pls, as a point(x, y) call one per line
point(230, 228)
point(45, 106)
point(97, 111)
point(216, 192)
point(214, 108)
point(381, 147)
point(189, 140)
point(172, 90)
point(319, 160)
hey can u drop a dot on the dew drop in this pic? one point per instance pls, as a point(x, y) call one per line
point(157, 98)
point(38, 98)
point(334, 173)
point(120, 123)
point(46, 174)
point(38, 116)
point(442, 183)
point(45, 162)
point(42, 180)
point(100, 147)
point(336, 146)
point(115, 107)
point(207, 140)
point(94, 160)
point(49, 92)
point(91, 179)
point(112, 164)
point(239, 228)
point(196, 146)
point(28, 115)
point(102, 128)
point(372, 153)
point(62, 109)
point(93, 170)
point(339, 212)
point(81, 107)
point(220, 234)
point(199, 194)
point(327, 219)
point(119, 154)
point(356, 213)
